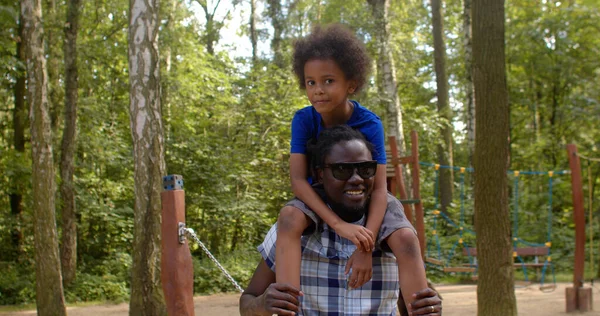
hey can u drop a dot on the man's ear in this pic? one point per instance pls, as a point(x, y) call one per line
point(319, 176)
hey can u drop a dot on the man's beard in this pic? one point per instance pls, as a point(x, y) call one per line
point(349, 214)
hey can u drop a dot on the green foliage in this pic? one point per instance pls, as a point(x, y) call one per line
point(209, 279)
point(227, 129)
point(17, 284)
point(98, 288)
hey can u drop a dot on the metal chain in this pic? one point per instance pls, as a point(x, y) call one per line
point(191, 233)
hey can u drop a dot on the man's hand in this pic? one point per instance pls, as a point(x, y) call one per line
point(280, 299)
point(426, 302)
point(361, 263)
point(359, 235)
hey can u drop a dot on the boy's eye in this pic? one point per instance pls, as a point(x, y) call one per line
point(310, 83)
point(328, 81)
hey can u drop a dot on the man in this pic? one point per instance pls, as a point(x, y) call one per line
point(345, 170)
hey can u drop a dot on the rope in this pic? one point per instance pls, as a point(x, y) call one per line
point(191, 233)
point(587, 158)
point(470, 169)
point(516, 238)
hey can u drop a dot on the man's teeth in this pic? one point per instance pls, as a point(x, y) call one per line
point(355, 192)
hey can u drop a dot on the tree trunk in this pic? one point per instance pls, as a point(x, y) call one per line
point(444, 150)
point(53, 64)
point(495, 290)
point(148, 153)
point(276, 16)
point(68, 250)
point(49, 291)
point(387, 83)
point(470, 106)
point(253, 32)
point(212, 27)
point(19, 116)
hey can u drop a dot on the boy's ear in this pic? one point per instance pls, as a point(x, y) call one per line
point(352, 87)
point(320, 176)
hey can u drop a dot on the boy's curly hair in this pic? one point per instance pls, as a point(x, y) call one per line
point(336, 42)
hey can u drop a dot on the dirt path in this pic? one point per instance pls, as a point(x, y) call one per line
point(458, 300)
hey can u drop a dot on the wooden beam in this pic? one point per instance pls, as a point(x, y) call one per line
point(420, 215)
point(578, 215)
point(400, 187)
point(177, 272)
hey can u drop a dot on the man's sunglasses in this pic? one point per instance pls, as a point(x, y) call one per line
point(344, 170)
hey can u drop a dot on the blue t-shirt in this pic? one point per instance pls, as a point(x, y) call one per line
point(306, 124)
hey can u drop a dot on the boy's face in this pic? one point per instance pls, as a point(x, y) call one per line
point(351, 194)
point(326, 85)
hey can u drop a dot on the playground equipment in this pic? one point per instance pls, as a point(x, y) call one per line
point(176, 263)
point(177, 274)
point(578, 298)
point(521, 248)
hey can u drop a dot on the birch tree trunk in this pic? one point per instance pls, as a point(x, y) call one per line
point(49, 291)
point(387, 83)
point(68, 250)
point(444, 150)
point(19, 116)
point(148, 153)
point(469, 105)
point(495, 290)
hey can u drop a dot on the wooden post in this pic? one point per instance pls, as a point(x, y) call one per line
point(399, 185)
point(574, 299)
point(420, 221)
point(177, 272)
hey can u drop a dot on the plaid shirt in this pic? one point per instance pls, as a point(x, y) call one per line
point(324, 258)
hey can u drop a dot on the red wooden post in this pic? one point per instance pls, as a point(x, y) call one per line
point(177, 273)
point(399, 179)
point(573, 295)
point(420, 221)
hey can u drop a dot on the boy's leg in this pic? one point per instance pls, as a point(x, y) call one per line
point(411, 270)
point(290, 225)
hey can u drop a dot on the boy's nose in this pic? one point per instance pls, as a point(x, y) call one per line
point(319, 89)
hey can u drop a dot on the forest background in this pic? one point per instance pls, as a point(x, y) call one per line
point(227, 115)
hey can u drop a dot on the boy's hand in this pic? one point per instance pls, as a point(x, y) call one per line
point(359, 235)
point(361, 263)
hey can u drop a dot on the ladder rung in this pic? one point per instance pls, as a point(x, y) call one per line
point(434, 261)
point(459, 269)
point(522, 283)
point(410, 201)
point(547, 287)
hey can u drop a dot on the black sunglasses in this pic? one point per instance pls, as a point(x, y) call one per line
point(344, 170)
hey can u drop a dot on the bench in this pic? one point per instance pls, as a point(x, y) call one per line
point(526, 252)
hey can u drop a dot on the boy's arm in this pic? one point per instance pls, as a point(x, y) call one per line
point(361, 263)
point(378, 204)
point(361, 237)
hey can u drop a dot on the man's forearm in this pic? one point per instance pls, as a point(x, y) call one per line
point(250, 306)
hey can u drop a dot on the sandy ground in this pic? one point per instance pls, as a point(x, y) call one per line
point(458, 300)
